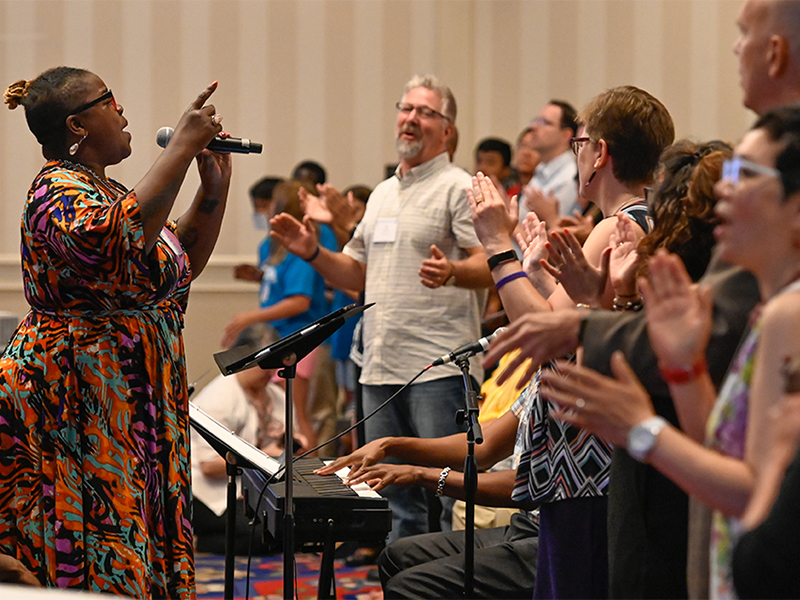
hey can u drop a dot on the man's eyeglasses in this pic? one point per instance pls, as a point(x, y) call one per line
point(542, 122)
point(108, 95)
point(426, 112)
point(738, 168)
point(576, 142)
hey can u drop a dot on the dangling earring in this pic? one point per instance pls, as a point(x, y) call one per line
point(74, 148)
point(590, 178)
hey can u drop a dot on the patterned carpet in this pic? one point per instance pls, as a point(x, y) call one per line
point(266, 578)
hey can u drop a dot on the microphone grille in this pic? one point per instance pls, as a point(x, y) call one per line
point(163, 136)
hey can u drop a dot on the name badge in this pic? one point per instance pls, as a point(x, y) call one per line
point(385, 230)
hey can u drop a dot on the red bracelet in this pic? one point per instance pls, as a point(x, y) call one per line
point(680, 376)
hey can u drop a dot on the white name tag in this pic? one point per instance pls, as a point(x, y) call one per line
point(385, 230)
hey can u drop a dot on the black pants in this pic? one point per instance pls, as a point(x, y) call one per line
point(431, 565)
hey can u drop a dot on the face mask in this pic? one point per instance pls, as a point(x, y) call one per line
point(261, 221)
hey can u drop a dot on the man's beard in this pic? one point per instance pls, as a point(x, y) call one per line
point(408, 148)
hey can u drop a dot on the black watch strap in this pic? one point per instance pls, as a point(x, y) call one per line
point(501, 257)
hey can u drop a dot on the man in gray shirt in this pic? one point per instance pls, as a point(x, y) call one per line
point(416, 256)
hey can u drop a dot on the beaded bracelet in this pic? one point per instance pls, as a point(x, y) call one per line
point(442, 478)
point(632, 305)
point(508, 278)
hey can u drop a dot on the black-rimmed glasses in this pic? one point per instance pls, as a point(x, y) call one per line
point(108, 95)
point(426, 112)
point(576, 142)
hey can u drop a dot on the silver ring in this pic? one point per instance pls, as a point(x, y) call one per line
point(216, 119)
point(580, 403)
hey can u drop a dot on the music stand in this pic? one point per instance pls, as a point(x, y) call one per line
point(237, 454)
point(285, 354)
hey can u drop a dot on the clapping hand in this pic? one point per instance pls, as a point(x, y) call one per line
point(545, 206)
point(532, 241)
point(314, 206)
point(678, 312)
point(624, 261)
point(584, 282)
point(494, 215)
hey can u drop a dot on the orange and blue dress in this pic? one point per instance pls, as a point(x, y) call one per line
point(94, 451)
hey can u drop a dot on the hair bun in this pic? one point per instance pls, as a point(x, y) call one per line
point(16, 92)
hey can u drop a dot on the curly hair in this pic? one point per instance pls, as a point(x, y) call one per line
point(682, 206)
point(48, 100)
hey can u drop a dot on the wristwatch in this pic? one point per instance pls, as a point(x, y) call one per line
point(642, 437)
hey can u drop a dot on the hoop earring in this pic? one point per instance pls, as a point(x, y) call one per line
point(74, 148)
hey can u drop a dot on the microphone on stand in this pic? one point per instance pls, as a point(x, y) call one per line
point(218, 144)
point(470, 349)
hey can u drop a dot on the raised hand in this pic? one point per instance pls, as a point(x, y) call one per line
point(298, 238)
point(583, 282)
point(532, 241)
point(314, 206)
point(624, 260)
point(198, 125)
point(436, 270)
point(678, 312)
point(578, 225)
point(545, 206)
point(494, 215)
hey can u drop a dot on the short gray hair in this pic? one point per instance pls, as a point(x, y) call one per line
point(431, 82)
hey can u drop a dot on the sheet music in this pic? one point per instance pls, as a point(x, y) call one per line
point(207, 425)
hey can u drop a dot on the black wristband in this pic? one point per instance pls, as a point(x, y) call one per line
point(313, 256)
point(501, 257)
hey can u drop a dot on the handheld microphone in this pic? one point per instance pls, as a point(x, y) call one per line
point(470, 349)
point(218, 144)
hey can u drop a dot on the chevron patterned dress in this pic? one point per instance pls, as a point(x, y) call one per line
point(94, 454)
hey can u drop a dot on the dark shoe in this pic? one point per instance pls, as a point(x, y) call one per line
point(365, 555)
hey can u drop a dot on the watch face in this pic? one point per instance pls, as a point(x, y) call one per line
point(641, 440)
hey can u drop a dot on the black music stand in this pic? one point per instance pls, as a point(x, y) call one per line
point(285, 354)
point(238, 454)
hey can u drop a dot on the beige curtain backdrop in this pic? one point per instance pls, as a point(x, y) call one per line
point(318, 79)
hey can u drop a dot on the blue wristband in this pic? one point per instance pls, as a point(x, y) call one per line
point(508, 278)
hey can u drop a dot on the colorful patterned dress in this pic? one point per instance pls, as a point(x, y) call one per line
point(94, 450)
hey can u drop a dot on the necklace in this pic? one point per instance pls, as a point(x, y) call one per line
point(101, 181)
point(82, 167)
point(627, 203)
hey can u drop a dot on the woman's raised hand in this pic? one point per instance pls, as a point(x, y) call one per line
point(198, 125)
point(624, 261)
point(583, 282)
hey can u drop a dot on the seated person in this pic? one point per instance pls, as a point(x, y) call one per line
point(253, 408)
point(432, 565)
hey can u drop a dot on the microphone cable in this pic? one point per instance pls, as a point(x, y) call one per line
point(275, 476)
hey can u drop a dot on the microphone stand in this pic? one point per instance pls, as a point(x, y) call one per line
point(285, 354)
point(288, 373)
point(469, 416)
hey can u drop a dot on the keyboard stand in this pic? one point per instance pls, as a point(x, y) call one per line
point(326, 588)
